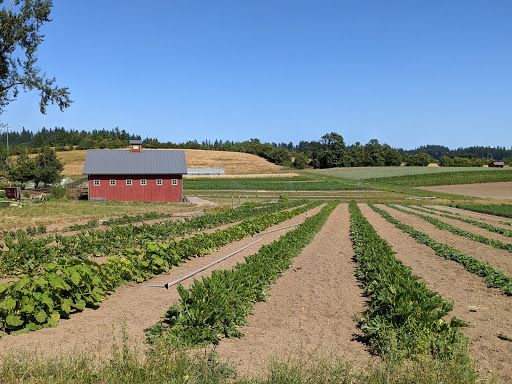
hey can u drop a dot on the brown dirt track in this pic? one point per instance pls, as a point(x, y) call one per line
point(487, 311)
point(311, 308)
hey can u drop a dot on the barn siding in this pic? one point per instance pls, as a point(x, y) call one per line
point(136, 192)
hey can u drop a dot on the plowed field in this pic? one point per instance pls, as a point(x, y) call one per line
point(312, 306)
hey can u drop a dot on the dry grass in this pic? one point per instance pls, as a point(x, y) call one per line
point(234, 163)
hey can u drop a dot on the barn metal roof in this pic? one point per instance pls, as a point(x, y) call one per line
point(125, 162)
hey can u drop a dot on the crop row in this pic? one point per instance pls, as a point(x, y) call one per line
point(38, 300)
point(504, 210)
point(405, 319)
point(280, 185)
point(490, 228)
point(457, 231)
point(28, 254)
point(42, 228)
point(493, 278)
point(447, 178)
point(214, 307)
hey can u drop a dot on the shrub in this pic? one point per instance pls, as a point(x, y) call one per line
point(59, 192)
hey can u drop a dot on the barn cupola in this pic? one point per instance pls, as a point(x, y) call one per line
point(136, 145)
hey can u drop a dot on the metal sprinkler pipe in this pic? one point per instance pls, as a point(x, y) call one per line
point(167, 285)
point(274, 230)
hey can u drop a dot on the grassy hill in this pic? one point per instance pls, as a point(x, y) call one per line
point(234, 163)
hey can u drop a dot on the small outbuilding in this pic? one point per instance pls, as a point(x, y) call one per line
point(135, 174)
point(497, 164)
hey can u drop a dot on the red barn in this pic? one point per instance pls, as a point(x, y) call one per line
point(135, 175)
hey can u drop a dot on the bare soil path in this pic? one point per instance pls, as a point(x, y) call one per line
point(487, 311)
point(134, 306)
point(497, 258)
point(311, 307)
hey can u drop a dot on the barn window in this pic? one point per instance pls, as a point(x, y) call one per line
point(112, 183)
point(143, 181)
point(96, 183)
point(128, 181)
point(159, 182)
point(174, 181)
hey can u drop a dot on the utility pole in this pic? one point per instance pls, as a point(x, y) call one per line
point(6, 128)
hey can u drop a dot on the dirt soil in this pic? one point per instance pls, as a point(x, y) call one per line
point(495, 191)
point(497, 221)
point(487, 311)
point(497, 258)
point(134, 307)
point(311, 307)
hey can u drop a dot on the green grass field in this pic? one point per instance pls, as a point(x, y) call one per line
point(478, 175)
point(365, 173)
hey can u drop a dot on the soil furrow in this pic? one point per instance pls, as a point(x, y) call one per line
point(497, 258)
point(487, 311)
point(311, 307)
point(464, 226)
point(485, 217)
point(133, 306)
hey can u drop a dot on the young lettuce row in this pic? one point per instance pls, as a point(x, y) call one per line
point(457, 231)
point(214, 307)
point(39, 300)
point(492, 277)
point(405, 319)
point(29, 254)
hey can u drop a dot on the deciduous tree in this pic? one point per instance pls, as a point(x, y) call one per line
point(20, 36)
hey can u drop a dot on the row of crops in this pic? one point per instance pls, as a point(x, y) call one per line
point(55, 289)
point(28, 254)
point(493, 277)
point(404, 319)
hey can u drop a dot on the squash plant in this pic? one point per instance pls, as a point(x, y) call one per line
point(214, 307)
point(405, 319)
point(39, 299)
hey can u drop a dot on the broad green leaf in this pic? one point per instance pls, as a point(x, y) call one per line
point(66, 305)
point(79, 304)
point(28, 308)
point(8, 304)
point(33, 327)
point(14, 320)
point(75, 278)
point(41, 316)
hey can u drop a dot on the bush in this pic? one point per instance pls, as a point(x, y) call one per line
point(59, 192)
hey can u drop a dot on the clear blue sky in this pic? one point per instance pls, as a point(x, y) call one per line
point(405, 72)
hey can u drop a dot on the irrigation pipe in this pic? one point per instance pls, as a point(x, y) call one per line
point(167, 285)
point(274, 230)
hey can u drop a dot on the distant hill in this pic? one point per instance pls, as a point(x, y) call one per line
point(234, 163)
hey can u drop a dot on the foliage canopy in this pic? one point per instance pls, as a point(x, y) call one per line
point(20, 36)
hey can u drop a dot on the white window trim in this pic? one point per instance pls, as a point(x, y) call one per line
point(159, 182)
point(96, 183)
point(129, 182)
point(174, 182)
point(143, 182)
point(112, 182)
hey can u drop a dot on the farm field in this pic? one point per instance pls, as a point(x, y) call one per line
point(364, 173)
point(320, 319)
point(495, 191)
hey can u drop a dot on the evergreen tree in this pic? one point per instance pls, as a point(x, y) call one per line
point(47, 167)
